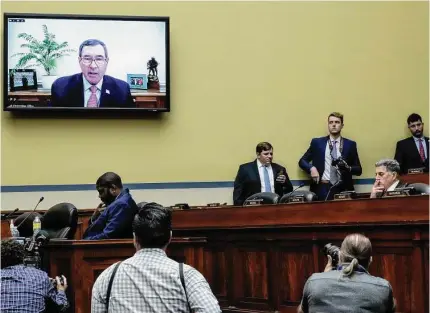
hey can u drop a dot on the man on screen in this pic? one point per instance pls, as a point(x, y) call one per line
point(91, 88)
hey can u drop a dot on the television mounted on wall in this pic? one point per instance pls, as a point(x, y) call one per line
point(86, 63)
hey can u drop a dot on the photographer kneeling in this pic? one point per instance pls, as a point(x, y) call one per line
point(25, 288)
point(349, 287)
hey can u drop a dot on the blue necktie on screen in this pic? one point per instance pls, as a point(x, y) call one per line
point(267, 187)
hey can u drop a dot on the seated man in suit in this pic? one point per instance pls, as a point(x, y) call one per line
point(413, 152)
point(387, 178)
point(260, 175)
point(114, 221)
point(91, 88)
point(331, 161)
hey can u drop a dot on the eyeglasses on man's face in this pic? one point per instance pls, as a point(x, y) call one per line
point(86, 60)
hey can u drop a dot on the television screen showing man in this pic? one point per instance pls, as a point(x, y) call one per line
point(92, 88)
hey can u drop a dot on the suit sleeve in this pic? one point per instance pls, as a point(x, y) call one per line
point(355, 163)
point(129, 99)
point(398, 156)
point(55, 97)
point(288, 186)
point(306, 159)
point(239, 181)
point(116, 222)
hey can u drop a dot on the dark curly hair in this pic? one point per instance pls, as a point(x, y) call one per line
point(12, 253)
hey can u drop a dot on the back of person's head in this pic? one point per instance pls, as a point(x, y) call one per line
point(12, 253)
point(107, 180)
point(152, 226)
point(356, 249)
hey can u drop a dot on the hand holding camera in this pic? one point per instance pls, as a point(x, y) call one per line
point(332, 253)
point(341, 164)
point(59, 282)
point(281, 178)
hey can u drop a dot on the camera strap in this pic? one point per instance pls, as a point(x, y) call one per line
point(110, 286)
point(330, 144)
point(181, 275)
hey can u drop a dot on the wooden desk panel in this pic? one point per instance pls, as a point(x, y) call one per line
point(415, 178)
point(258, 258)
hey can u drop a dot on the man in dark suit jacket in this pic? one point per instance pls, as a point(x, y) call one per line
point(115, 220)
point(260, 175)
point(413, 152)
point(331, 161)
point(91, 88)
point(387, 178)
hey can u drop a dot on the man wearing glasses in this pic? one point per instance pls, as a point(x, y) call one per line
point(91, 88)
point(113, 217)
point(413, 152)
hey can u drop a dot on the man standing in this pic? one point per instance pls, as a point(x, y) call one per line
point(150, 281)
point(413, 152)
point(91, 88)
point(331, 161)
point(113, 217)
point(26, 289)
point(387, 178)
point(260, 175)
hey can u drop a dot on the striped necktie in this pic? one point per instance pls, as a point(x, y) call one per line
point(92, 101)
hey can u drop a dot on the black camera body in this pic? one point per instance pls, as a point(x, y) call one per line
point(339, 162)
point(31, 247)
point(333, 251)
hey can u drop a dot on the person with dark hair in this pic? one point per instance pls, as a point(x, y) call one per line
point(413, 152)
point(260, 175)
point(150, 281)
point(113, 217)
point(386, 178)
point(349, 287)
point(331, 161)
point(91, 88)
point(26, 288)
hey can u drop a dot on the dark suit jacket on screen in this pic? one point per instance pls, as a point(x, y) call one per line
point(248, 182)
point(68, 91)
point(408, 156)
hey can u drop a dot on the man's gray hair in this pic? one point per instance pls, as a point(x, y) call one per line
point(93, 42)
point(390, 164)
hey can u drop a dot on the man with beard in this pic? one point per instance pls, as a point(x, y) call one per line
point(91, 88)
point(413, 152)
point(119, 208)
point(331, 161)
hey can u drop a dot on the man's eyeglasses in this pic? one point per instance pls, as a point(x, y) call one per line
point(98, 60)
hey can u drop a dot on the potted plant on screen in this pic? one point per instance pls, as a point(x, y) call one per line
point(43, 54)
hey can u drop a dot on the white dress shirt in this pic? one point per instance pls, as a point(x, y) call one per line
point(327, 166)
point(87, 91)
point(261, 172)
point(417, 143)
point(393, 185)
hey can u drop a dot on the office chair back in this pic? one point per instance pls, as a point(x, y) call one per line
point(266, 197)
point(61, 221)
point(420, 188)
point(309, 196)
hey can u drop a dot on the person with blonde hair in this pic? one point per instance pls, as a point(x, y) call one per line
point(350, 287)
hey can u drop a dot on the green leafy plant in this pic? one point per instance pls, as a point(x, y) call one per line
point(41, 53)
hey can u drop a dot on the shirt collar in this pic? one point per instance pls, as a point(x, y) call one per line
point(146, 251)
point(332, 139)
point(393, 185)
point(417, 139)
point(87, 84)
point(259, 164)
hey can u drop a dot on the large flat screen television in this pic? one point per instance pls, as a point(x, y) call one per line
point(56, 62)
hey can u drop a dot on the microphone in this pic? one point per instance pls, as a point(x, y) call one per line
point(40, 200)
point(6, 216)
point(335, 185)
point(298, 187)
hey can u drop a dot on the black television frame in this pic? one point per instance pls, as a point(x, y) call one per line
point(81, 111)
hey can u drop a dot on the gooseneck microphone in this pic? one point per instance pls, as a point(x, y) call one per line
point(6, 216)
point(40, 200)
point(335, 185)
point(298, 187)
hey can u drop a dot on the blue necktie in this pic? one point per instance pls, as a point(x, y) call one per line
point(333, 172)
point(267, 187)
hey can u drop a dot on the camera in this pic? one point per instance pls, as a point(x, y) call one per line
point(31, 247)
point(339, 162)
point(333, 251)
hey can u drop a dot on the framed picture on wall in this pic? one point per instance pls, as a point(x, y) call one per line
point(137, 81)
point(22, 79)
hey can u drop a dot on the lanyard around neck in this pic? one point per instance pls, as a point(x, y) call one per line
point(330, 144)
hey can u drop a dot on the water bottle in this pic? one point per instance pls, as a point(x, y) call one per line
point(36, 224)
point(13, 229)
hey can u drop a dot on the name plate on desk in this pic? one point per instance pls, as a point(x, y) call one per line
point(213, 205)
point(297, 199)
point(253, 202)
point(400, 192)
point(342, 196)
point(419, 170)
